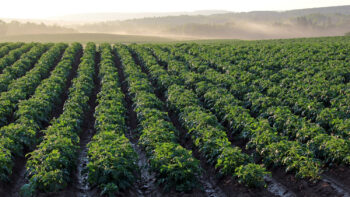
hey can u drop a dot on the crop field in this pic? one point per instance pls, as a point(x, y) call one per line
point(240, 118)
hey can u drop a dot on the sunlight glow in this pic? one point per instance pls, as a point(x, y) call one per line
point(48, 8)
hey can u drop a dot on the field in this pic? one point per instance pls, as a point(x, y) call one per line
point(83, 38)
point(211, 118)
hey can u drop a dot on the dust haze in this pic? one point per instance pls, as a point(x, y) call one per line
point(209, 24)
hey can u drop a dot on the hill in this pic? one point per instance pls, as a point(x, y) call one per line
point(100, 17)
point(207, 24)
point(313, 22)
point(83, 38)
point(20, 27)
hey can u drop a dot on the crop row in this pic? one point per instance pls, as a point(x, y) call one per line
point(23, 87)
point(13, 56)
point(20, 67)
point(4, 44)
point(206, 132)
point(174, 165)
point(8, 47)
point(324, 100)
point(112, 161)
point(273, 148)
point(34, 113)
point(51, 164)
point(285, 105)
point(332, 149)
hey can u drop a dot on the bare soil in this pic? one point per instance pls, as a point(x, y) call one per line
point(146, 184)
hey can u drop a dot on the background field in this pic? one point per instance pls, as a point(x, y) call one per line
point(196, 118)
point(175, 98)
point(83, 38)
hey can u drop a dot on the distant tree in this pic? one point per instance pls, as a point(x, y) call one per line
point(347, 34)
point(18, 28)
point(3, 28)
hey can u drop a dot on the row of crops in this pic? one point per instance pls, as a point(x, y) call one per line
point(239, 113)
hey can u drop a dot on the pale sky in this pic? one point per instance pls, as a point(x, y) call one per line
point(50, 8)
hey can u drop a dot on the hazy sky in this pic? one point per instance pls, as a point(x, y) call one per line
point(49, 8)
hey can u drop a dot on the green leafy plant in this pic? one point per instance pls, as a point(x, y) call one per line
point(251, 175)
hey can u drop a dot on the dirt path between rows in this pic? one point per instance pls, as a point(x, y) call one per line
point(146, 184)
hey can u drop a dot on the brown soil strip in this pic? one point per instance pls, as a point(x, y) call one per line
point(146, 184)
point(80, 179)
point(302, 187)
point(340, 174)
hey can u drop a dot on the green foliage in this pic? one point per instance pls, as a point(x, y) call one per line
point(203, 127)
point(289, 101)
point(12, 52)
point(112, 160)
point(251, 175)
point(22, 133)
point(51, 164)
point(230, 159)
point(20, 67)
point(109, 189)
point(290, 107)
point(174, 165)
point(23, 87)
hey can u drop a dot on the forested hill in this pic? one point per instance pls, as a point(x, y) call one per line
point(313, 22)
point(20, 28)
point(254, 15)
point(327, 21)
